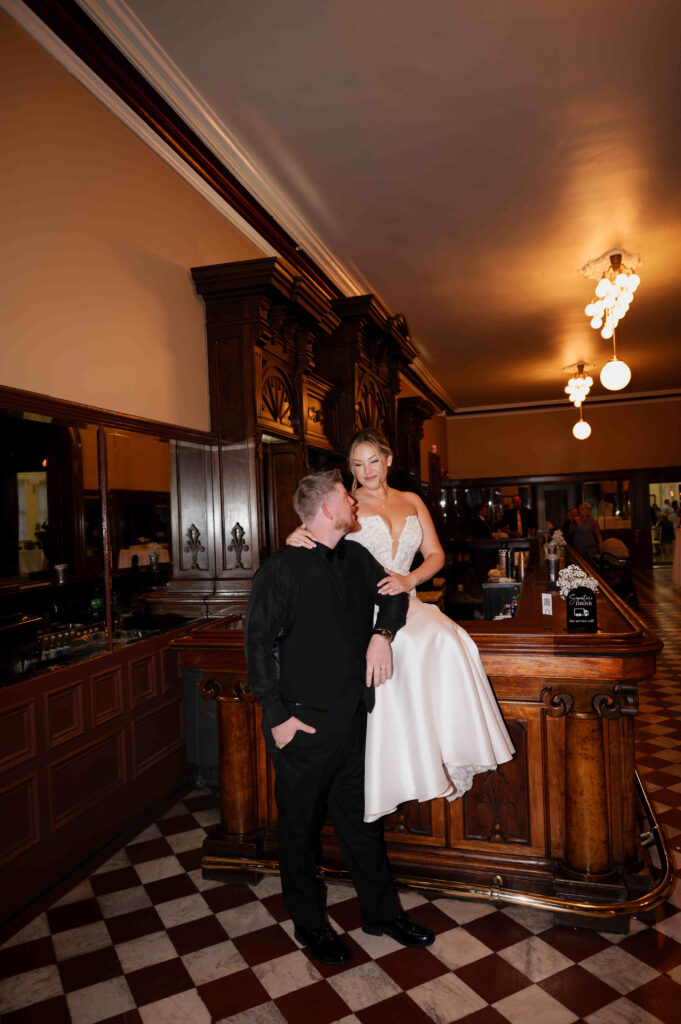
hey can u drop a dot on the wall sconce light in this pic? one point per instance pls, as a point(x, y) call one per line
point(617, 283)
point(581, 429)
point(579, 385)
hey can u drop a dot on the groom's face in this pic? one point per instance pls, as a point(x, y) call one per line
point(343, 507)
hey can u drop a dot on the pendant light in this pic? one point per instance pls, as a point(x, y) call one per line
point(615, 375)
point(581, 429)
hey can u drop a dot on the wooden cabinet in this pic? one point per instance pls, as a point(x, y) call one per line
point(293, 373)
point(85, 751)
point(557, 826)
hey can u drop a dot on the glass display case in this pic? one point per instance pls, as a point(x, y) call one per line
point(85, 539)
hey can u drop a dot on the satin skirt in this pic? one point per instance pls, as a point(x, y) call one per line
point(436, 722)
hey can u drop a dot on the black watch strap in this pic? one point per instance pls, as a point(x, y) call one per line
point(385, 633)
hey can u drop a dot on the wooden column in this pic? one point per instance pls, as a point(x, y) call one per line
point(238, 832)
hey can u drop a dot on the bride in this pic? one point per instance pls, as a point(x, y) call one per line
point(436, 723)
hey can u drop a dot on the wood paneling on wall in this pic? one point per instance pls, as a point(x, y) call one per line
point(85, 750)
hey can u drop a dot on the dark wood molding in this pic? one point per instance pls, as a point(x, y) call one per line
point(73, 26)
point(654, 473)
point(74, 412)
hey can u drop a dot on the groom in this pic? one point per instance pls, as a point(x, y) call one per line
point(314, 656)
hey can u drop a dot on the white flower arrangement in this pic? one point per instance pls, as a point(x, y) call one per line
point(572, 577)
point(154, 548)
point(558, 539)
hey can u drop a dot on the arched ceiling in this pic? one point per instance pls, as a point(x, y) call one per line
point(462, 160)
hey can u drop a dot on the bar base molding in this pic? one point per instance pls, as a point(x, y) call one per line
point(608, 912)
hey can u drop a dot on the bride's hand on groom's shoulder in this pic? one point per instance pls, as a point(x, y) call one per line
point(300, 538)
point(393, 584)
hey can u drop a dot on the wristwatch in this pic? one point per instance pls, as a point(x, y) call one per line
point(385, 633)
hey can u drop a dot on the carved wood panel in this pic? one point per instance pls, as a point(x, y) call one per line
point(85, 778)
point(371, 408)
point(281, 472)
point(421, 823)
point(497, 807)
point(142, 679)
point(19, 813)
point(64, 714)
point(276, 402)
point(17, 734)
point(170, 673)
point(106, 695)
point(191, 483)
point(157, 734)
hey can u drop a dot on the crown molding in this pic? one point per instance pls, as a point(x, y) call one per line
point(110, 52)
point(50, 42)
point(122, 26)
point(523, 408)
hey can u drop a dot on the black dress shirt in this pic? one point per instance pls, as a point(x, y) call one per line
point(310, 618)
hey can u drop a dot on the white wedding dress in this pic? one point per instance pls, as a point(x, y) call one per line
point(436, 722)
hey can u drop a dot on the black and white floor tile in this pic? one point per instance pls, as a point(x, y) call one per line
point(146, 939)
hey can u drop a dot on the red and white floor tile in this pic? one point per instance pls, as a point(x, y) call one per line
point(146, 939)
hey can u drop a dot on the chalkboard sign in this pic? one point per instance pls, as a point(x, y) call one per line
point(581, 610)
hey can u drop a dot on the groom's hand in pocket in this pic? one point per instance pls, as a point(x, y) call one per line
point(379, 661)
point(284, 733)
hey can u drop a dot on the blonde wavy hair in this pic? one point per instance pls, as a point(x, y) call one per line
point(372, 437)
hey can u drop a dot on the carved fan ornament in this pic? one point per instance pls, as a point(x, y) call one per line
point(371, 410)
point(276, 400)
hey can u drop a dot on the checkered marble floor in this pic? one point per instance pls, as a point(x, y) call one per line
point(146, 939)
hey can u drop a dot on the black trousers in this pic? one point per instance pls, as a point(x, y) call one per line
point(313, 772)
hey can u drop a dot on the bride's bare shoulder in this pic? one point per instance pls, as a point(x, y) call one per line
point(413, 500)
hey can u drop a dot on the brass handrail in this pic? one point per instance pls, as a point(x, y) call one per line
point(463, 890)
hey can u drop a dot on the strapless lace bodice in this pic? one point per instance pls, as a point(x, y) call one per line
point(375, 536)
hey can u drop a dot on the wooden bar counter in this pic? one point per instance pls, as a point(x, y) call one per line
point(558, 827)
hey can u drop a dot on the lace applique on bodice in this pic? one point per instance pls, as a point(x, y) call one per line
point(375, 536)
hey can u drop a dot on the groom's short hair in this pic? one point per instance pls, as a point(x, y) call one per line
point(312, 491)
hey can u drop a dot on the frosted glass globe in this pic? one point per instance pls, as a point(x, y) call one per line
point(596, 323)
point(606, 333)
point(581, 430)
point(602, 288)
point(615, 375)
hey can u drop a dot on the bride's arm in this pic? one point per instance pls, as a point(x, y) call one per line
point(431, 550)
point(300, 538)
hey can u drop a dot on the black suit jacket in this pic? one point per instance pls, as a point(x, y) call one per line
point(526, 517)
point(481, 528)
point(310, 617)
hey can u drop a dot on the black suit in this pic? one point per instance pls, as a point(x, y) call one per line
point(527, 520)
point(309, 622)
point(481, 528)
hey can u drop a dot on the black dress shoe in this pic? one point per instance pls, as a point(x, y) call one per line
point(403, 930)
point(323, 944)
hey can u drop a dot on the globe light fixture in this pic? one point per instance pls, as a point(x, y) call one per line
point(615, 375)
point(579, 385)
point(614, 291)
point(581, 429)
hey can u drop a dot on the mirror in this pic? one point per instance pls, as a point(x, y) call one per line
point(41, 480)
